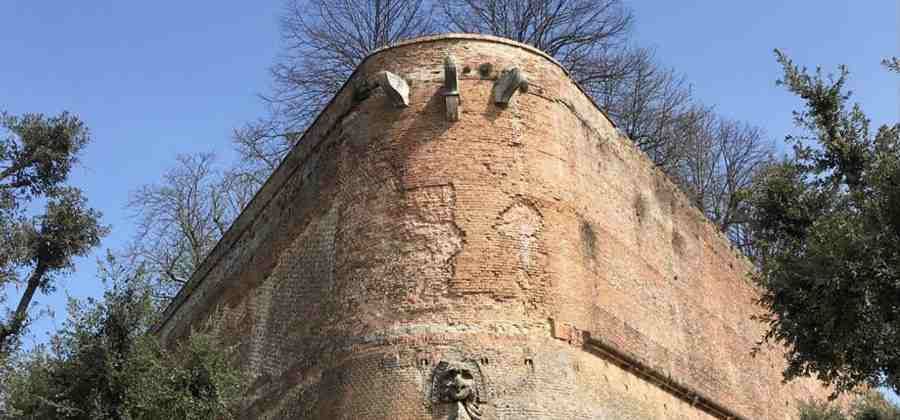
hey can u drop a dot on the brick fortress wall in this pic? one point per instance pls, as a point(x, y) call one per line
point(531, 244)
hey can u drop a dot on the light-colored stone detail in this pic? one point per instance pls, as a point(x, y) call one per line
point(451, 89)
point(509, 82)
point(394, 87)
point(457, 383)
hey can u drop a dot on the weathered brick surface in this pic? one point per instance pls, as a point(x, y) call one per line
point(392, 239)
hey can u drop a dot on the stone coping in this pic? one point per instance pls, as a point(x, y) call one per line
point(468, 37)
point(493, 39)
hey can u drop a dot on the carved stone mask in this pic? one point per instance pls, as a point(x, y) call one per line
point(458, 384)
point(455, 382)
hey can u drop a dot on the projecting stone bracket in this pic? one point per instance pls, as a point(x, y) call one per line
point(509, 82)
point(394, 87)
point(451, 89)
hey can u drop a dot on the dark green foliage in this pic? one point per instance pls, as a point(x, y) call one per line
point(871, 406)
point(827, 224)
point(817, 410)
point(66, 229)
point(105, 364)
point(39, 152)
point(36, 155)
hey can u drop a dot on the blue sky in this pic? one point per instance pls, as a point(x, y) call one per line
point(725, 49)
point(150, 79)
point(155, 79)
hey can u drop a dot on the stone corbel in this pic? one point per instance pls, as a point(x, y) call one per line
point(394, 87)
point(451, 89)
point(509, 82)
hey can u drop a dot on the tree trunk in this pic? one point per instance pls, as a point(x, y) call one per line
point(9, 332)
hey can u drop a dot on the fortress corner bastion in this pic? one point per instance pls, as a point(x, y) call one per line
point(463, 234)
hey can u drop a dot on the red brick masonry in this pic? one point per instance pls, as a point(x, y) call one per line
point(530, 242)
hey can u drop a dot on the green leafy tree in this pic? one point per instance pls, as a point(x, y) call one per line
point(105, 364)
point(819, 410)
point(827, 225)
point(869, 406)
point(37, 154)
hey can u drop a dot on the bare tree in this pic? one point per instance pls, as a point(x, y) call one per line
point(696, 170)
point(182, 218)
point(711, 158)
point(721, 157)
point(588, 37)
point(324, 42)
point(649, 104)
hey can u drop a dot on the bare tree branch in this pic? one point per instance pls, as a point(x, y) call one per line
point(721, 159)
point(324, 42)
point(649, 104)
point(181, 219)
point(588, 37)
point(892, 63)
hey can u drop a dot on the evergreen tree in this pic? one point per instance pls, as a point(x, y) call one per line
point(37, 154)
point(106, 364)
point(827, 223)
